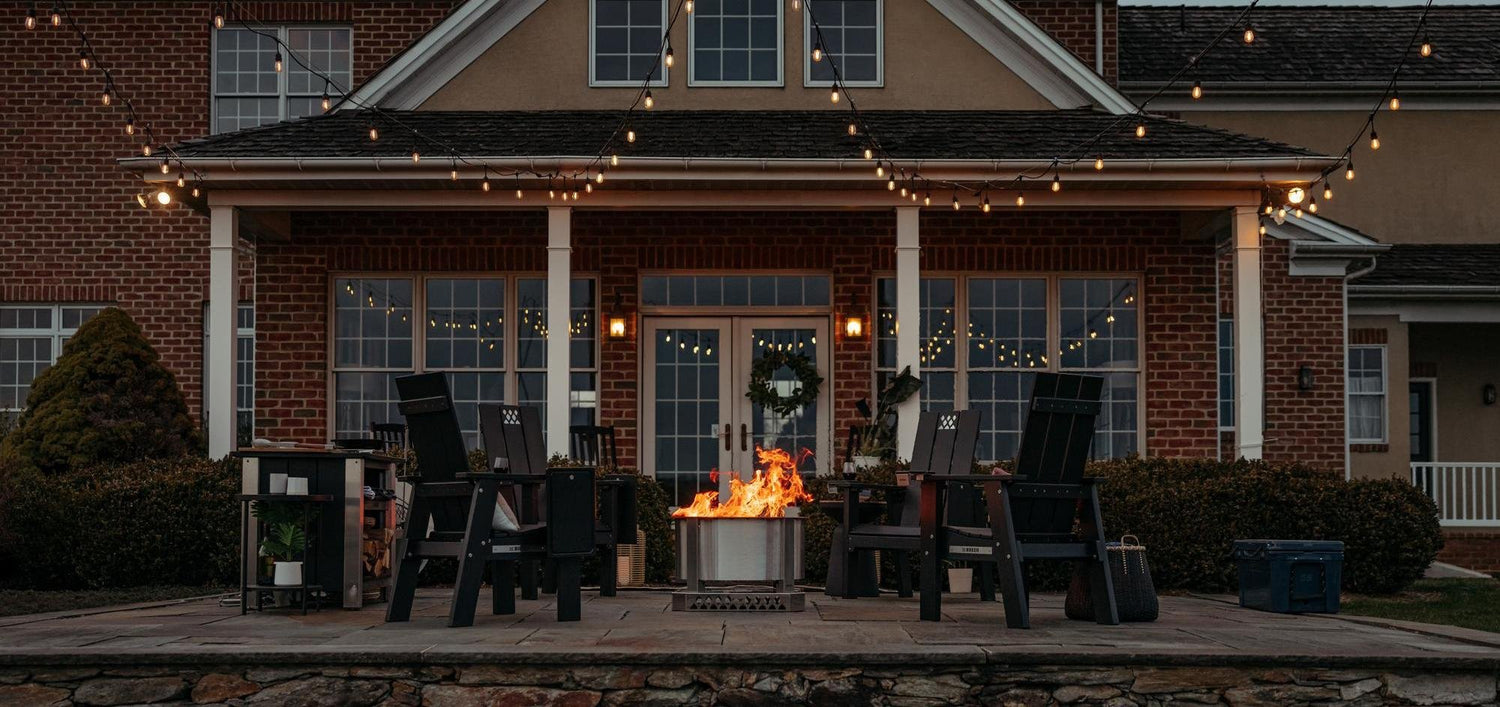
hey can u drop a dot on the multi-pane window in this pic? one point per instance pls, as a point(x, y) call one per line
point(488, 334)
point(736, 290)
point(1012, 326)
point(736, 42)
point(849, 34)
point(1367, 394)
point(248, 91)
point(31, 339)
point(1226, 374)
point(244, 381)
point(626, 42)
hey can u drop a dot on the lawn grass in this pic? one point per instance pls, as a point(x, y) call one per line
point(15, 602)
point(1470, 603)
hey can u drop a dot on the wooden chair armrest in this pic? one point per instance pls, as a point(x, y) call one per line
point(522, 479)
point(615, 480)
point(863, 486)
point(968, 478)
point(1029, 489)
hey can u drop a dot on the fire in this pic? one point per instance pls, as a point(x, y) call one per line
point(766, 496)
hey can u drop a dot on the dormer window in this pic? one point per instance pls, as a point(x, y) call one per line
point(736, 43)
point(625, 42)
point(851, 38)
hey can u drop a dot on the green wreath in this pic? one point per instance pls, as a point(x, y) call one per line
point(763, 394)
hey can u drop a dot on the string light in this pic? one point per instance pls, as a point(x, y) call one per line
point(1099, 164)
point(130, 126)
point(453, 171)
point(327, 102)
point(485, 185)
point(648, 101)
point(1020, 199)
point(1374, 139)
point(1426, 49)
point(276, 62)
point(56, 16)
point(416, 157)
point(869, 153)
point(1327, 191)
point(1056, 184)
point(833, 96)
point(181, 180)
point(1140, 130)
point(105, 98)
point(853, 129)
point(1197, 90)
point(1349, 171)
point(668, 59)
point(1248, 36)
point(31, 17)
point(374, 133)
point(1312, 205)
point(166, 166)
point(985, 205)
point(687, 6)
point(218, 16)
point(197, 190)
point(817, 53)
point(1296, 194)
point(630, 135)
point(146, 149)
point(956, 205)
point(1395, 101)
point(614, 160)
point(83, 59)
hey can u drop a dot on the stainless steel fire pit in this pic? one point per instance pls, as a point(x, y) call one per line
point(739, 564)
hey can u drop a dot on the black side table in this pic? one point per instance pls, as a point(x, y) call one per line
point(250, 557)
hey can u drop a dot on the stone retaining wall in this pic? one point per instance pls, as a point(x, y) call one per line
point(583, 686)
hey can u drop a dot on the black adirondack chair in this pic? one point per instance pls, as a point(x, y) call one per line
point(944, 445)
point(1031, 514)
point(593, 445)
point(460, 507)
point(514, 434)
point(392, 434)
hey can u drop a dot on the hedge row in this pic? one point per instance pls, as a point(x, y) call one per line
point(1189, 512)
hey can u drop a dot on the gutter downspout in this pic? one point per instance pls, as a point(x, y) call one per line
point(1099, 37)
point(1348, 456)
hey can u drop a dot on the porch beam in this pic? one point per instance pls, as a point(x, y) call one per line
point(559, 281)
point(1249, 350)
point(223, 303)
point(908, 320)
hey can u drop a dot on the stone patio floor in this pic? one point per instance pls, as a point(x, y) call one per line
point(639, 627)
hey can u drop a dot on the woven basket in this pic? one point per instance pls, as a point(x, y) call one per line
point(630, 569)
point(1135, 594)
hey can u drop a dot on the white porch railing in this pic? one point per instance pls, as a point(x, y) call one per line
point(1467, 494)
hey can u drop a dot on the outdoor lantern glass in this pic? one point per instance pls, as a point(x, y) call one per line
point(617, 329)
point(854, 327)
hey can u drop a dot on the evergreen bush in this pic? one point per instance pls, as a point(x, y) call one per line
point(108, 399)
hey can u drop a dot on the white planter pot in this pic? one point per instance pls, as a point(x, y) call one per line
point(960, 580)
point(864, 462)
point(288, 574)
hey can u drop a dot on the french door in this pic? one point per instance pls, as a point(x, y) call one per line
point(696, 419)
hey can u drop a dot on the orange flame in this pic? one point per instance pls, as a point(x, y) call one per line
point(765, 496)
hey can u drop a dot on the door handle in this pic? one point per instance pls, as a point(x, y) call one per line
point(728, 437)
point(744, 437)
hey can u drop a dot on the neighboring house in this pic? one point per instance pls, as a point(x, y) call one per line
point(1424, 323)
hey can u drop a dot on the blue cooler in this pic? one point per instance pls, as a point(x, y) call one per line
point(1290, 576)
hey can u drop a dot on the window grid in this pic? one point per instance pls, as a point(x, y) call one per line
point(625, 41)
point(1226, 374)
point(1367, 395)
point(31, 339)
point(735, 43)
point(854, 41)
point(736, 291)
point(247, 90)
point(462, 318)
point(687, 371)
point(1007, 341)
point(1111, 306)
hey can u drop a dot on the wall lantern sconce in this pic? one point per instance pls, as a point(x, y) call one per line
point(1305, 378)
point(617, 319)
point(1489, 393)
point(854, 327)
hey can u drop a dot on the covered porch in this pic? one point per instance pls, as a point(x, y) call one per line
point(1118, 270)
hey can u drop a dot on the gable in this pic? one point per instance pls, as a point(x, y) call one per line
point(939, 54)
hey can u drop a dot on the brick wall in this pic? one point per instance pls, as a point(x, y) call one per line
point(1473, 549)
point(69, 228)
point(1072, 23)
point(1304, 325)
point(1180, 385)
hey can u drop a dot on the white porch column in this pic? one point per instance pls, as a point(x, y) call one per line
point(559, 280)
point(223, 303)
point(1249, 351)
point(908, 320)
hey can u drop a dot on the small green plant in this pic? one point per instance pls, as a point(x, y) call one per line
point(878, 438)
point(285, 533)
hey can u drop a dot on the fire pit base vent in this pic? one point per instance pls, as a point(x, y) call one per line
point(764, 552)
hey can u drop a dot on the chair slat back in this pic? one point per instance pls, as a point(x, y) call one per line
point(593, 445)
point(436, 440)
point(945, 445)
point(512, 438)
point(393, 434)
point(1055, 447)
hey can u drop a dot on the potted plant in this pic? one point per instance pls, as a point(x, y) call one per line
point(877, 439)
point(283, 541)
point(960, 578)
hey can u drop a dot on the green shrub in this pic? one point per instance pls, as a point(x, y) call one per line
point(123, 525)
point(107, 400)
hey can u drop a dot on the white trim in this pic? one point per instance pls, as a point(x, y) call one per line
point(559, 284)
point(692, 58)
point(1033, 55)
point(909, 310)
point(593, 33)
point(220, 394)
point(1436, 311)
point(1249, 353)
point(1385, 395)
point(441, 54)
point(879, 82)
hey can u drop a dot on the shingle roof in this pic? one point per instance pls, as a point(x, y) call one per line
point(1310, 44)
point(1020, 135)
point(1466, 265)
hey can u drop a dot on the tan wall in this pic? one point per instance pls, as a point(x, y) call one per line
point(1431, 182)
point(543, 64)
point(1468, 430)
point(1395, 458)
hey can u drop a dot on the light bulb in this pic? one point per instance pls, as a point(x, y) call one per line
point(796, 4)
point(1426, 47)
point(1395, 101)
point(891, 185)
point(1249, 35)
point(141, 199)
point(1020, 199)
point(1262, 229)
point(1098, 164)
point(1349, 171)
point(985, 205)
point(105, 98)
point(145, 150)
point(485, 185)
point(927, 199)
point(614, 160)
point(1266, 208)
point(1327, 191)
point(374, 133)
point(181, 180)
point(1281, 215)
point(600, 177)
point(956, 205)
point(327, 102)
point(196, 191)
point(853, 129)
point(520, 194)
point(630, 135)
point(1140, 130)
point(416, 157)
point(56, 17)
point(218, 20)
point(453, 173)
point(817, 53)
point(130, 126)
point(1056, 184)
point(166, 166)
point(669, 60)
point(648, 101)
point(1374, 140)
point(163, 198)
point(31, 18)
point(833, 96)
point(1197, 90)
point(83, 60)
point(1296, 194)
point(276, 62)
point(687, 6)
point(588, 187)
point(1312, 206)
point(879, 169)
point(869, 153)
